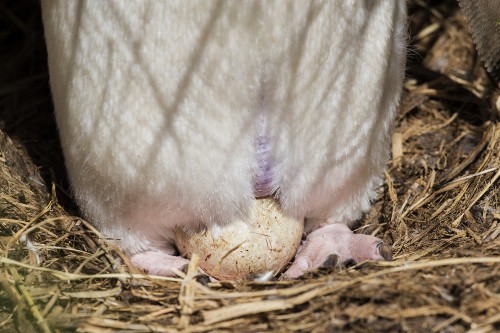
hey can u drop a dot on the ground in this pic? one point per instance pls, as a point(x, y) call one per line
point(439, 208)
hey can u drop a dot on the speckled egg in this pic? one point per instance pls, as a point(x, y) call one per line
point(266, 242)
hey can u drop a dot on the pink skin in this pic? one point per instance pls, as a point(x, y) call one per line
point(326, 246)
point(336, 239)
point(158, 262)
point(157, 123)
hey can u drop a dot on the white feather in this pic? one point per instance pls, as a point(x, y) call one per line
point(158, 104)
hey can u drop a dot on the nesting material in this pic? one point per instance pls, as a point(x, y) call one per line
point(439, 209)
point(266, 242)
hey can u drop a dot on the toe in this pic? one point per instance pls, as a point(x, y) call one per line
point(367, 247)
point(298, 268)
point(334, 245)
point(158, 262)
point(384, 251)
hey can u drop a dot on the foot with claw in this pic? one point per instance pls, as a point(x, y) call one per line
point(333, 244)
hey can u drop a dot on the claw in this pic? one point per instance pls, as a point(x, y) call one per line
point(385, 251)
point(331, 261)
point(203, 279)
point(336, 245)
point(184, 268)
point(348, 263)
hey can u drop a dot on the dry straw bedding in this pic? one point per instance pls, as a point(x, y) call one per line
point(439, 208)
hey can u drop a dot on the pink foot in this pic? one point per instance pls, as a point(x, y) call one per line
point(158, 262)
point(336, 243)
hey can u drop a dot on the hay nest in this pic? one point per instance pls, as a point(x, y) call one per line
point(439, 208)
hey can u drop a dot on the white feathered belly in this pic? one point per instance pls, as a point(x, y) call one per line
point(182, 112)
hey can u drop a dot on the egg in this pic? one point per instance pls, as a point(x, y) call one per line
point(265, 242)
